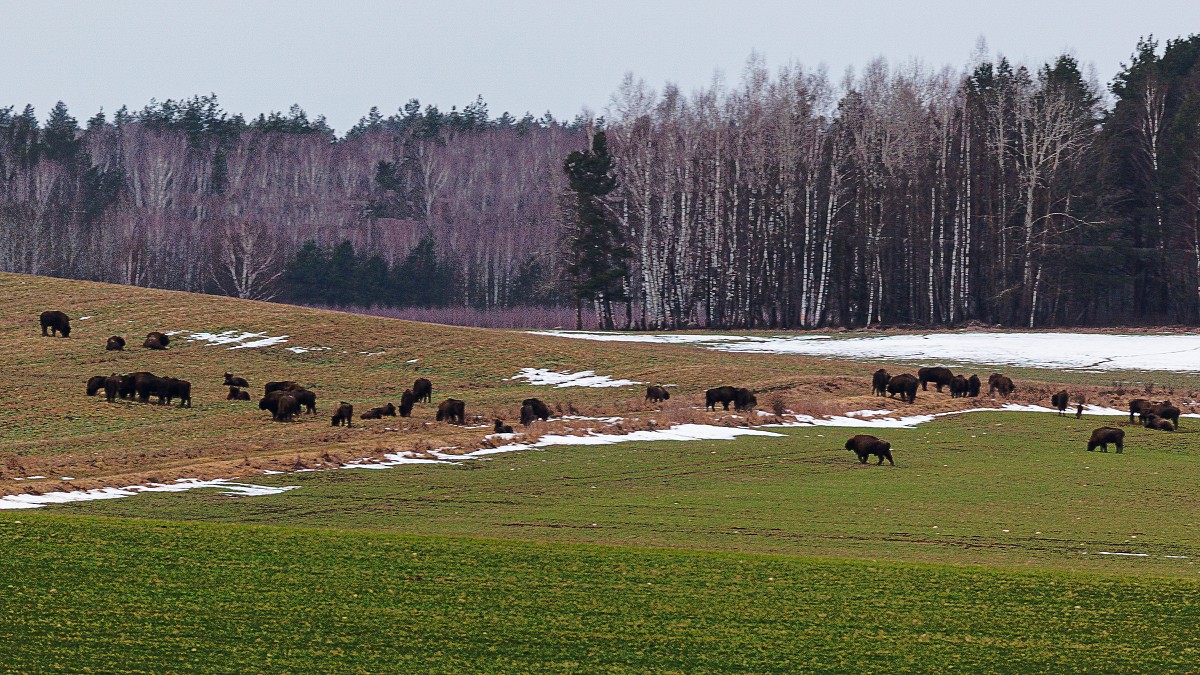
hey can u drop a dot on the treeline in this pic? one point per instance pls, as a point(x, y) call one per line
point(1002, 193)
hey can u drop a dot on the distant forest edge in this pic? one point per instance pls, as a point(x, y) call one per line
point(1023, 196)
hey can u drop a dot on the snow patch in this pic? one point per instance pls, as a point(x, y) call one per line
point(238, 339)
point(83, 318)
point(305, 350)
point(583, 378)
point(854, 418)
point(225, 485)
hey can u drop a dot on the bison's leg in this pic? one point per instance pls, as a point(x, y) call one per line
point(1120, 446)
point(862, 458)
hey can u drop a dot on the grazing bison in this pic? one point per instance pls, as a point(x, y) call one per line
point(959, 387)
point(452, 410)
point(156, 340)
point(541, 411)
point(170, 388)
point(1060, 401)
point(1103, 436)
point(1000, 383)
point(905, 385)
point(57, 322)
point(722, 395)
point(146, 385)
point(305, 398)
point(1079, 411)
point(95, 384)
point(236, 394)
point(115, 343)
point(744, 399)
point(973, 386)
point(938, 375)
point(231, 381)
point(112, 387)
point(129, 384)
point(864, 446)
point(286, 407)
point(1153, 421)
point(528, 416)
point(422, 389)
point(501, 428)
point(879, 382)
point(657, 394)
point(407, 399)
point(285, 385)
point(382, 411)
point(343, 415)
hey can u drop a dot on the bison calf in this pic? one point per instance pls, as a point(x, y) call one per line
point(231, 381)
point(864, 446)
point(382, 411)
point(115, 343)
point(344, 415)
point(501, 428)
point(236, 394)
point(879, 382)
point(1103, 436)
point(112, 387)
point(657, 394)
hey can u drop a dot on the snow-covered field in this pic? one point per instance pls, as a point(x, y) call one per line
point(1070, 351)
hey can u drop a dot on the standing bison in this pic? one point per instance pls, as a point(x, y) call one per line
point(233, 381)
point(452, 410)
point(115, 343)
point(112, 387)
point(95, 384)
point(905, 385)
point(864, 446)
point(171, 388)
point(57, 322)
point(973, 386)
point(959, 387)
point(744, 399)
point(540, 410)
point(156, 340)
point(281, 404)
point(1103, 436)
point(1167, 411)
point(722, 395)
point(657, 394)
point(422, 389)
point(1000, 383)
point(879, 382)
point(343, 415)
point(282, 385)
point(938, 375)
point(407, 399)
point(1060, 401)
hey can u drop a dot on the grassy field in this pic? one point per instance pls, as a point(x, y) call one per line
point(982, 550)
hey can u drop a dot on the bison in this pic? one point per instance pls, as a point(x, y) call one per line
point(1000, 383)
point(657, 394)
point(1166, 411)
point(382, 411)
point(156, 340)
point(129, 384)
point(170, 388)
point(959, 387)
point(305, 398)
point(236, 394)
point(1139, 407)
point(905, 385)
point(146, 385)
point(1153, 421)
point(1102, 436)
point(281, 404)
point(452, 410)
point(864, 446)
point(232, 381)
point(407, 399)
point(973, 386)
point(283, 385)
point(879, 382)
point(938, 375)
point(1079, 411)
point(528, 416)
point(744, 399)
point(95, 384)
point(115, 343)
point(722, 395)
point(1060, 401)
point(501, 428)
point(57, 322)
point(343, 415)
point(540, 410)
point(112, 387)
point(422, 389)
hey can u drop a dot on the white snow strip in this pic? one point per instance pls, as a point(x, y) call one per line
point(851, 419)
point(305, 350)
point(1131, 555)
point(238, 339)
point(226, 487)
point(868, 413)
point(1091, 352)
point(84, 318)
point(583, 378)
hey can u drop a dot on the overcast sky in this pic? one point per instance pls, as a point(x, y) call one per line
point(340, 58)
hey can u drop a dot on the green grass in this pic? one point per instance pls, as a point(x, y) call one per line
point(88, 595)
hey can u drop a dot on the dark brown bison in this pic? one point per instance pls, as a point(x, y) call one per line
point(744, 399)
point(129, 384)
point(939, 376)
point(1139, 407)
point(57, 322)
point(171, 388)
point(879, 382)
point(115, 343)
point(382, 411)
point(973, 386)
point(905, 385)
point(453, 411)
point(156, 340)
point(236, 394)
point(407, 399)
point(540, 410)
point(281, 404)
point(1079, 411)
point(305, 398)
point(657, 394)
point(1103, 436)
point(1000, 383)
point(146, 385)
point(1166, 411)
point(1153, 421)
point(528, 416)
point(422, 389)
point(864, 446)
point(722, 395)
point(232, 381)
point(283, 385)
point(112, 387)
point(1060, 401)
point(501, 428)
point(343, 415)
point(95, 384)
point(959, 387)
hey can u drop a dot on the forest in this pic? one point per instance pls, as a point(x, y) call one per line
point(1000, 193)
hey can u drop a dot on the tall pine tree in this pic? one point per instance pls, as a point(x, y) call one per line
point(599, 252)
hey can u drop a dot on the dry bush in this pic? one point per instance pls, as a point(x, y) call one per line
point(777, 405)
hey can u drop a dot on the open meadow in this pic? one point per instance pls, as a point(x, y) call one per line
point(996, 544)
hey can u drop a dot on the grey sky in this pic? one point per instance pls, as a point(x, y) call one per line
point(340, 58)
